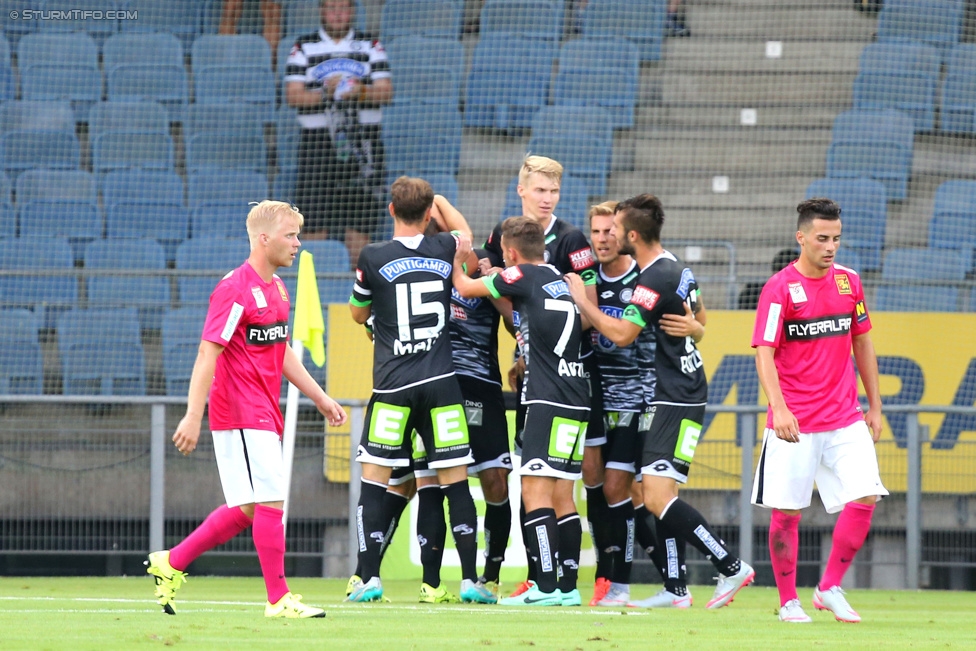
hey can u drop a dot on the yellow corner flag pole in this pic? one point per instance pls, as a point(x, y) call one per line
point(308, 333)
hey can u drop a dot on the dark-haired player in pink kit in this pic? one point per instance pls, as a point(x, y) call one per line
point(810, 316)
point(243, 353)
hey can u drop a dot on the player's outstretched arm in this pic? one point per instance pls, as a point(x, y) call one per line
point(188, 431)
point(686, 325)
point(619, 331)
point(867, 366)
point(784, 422)
point(451, 217)
point(297, 374)
point(466, 286)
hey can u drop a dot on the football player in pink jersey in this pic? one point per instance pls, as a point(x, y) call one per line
point(810, 317)
point(243, 353)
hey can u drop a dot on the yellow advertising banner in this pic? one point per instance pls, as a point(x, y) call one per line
point(925, 359)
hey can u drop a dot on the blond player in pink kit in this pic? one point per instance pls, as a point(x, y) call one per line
point(810, 317)
point(243, 353)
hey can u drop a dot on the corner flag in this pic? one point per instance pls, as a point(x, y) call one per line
point(309, 324)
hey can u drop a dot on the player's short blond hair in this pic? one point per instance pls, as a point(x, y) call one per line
point(266, 214)
point(540, 165)
point(604, 209)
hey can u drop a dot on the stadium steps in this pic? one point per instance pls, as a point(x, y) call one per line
point(784, 21)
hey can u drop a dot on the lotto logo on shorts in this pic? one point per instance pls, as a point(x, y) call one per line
point(566, 439)
point(646, 298)
point(581, 259)
point(450, 427)
point(388, 424)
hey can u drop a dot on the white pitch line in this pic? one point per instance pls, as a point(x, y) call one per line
point(346, 608)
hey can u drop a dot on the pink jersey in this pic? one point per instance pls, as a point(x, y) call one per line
point(810, 322)
point(249, 317)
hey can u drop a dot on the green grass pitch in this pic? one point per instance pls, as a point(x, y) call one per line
point(227, 613)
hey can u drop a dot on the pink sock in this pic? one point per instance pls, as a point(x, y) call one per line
point(784, 541)
point(849, 534)
point(269, 540)
point(220, 526)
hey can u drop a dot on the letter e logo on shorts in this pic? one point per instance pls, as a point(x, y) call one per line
point(687, 440)
point(387, 424)
point(450, 427)
point(563, 438)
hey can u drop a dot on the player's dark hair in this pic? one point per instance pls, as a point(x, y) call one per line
point(644, 215)
point(816, 208)
point(526, 236)
point(412, 198)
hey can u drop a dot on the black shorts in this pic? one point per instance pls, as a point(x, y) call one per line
point(484, 409)
point(330, 193)
point(624, 442)
point(433, 409)
point(552, 441)
point(596, 433)
point(671, 439)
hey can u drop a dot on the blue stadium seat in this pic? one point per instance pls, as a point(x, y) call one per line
point(98, 29)
point(233, 70)
point(181, 19)
point(225, 137)
point(581, 138)
point(145, 116)
point(425, 139)
point(848, 257)
point(530, 19)
point(287, 136)
point(42, 116)
point(120, 150)
point(8, 80)
point(953, 223)
point(30, 149)
point(8, 220)
point(6, 189)
point(101, 352)
point(899, 76)
point(149, 294)
point(936, 22)
point(864, 215)
point(591, 74)
point(330, 257)
point(940, 267)
point(216, 257)
point(433, 18)
point(131, 77)
point(573, 202)
point(493, 98)
point(426, 70)
point(21, 358)
point(146, 203)
point(305, 16)
point(60, 204)
point(57, 67)
point(444, 184)
point(218, 201)
point(639, 21)
point(874, 144)
point(181, 331)
point(958, 100)
point(46, 295)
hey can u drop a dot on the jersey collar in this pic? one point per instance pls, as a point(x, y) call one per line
point(633, 263)
point(667, 255)
point(412, 242)
point(325, 37)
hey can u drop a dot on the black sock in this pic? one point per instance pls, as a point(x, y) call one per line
point(464, 525)
point(687, 523)
point(570, 538)
point(498, 527)
point(431, 532)
point(620, 548)
point(530, 574)
point(393, 505)
point(645, 529)
point(669, 558)
point(371, 527)
point(597, 514)
point(542, 541)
